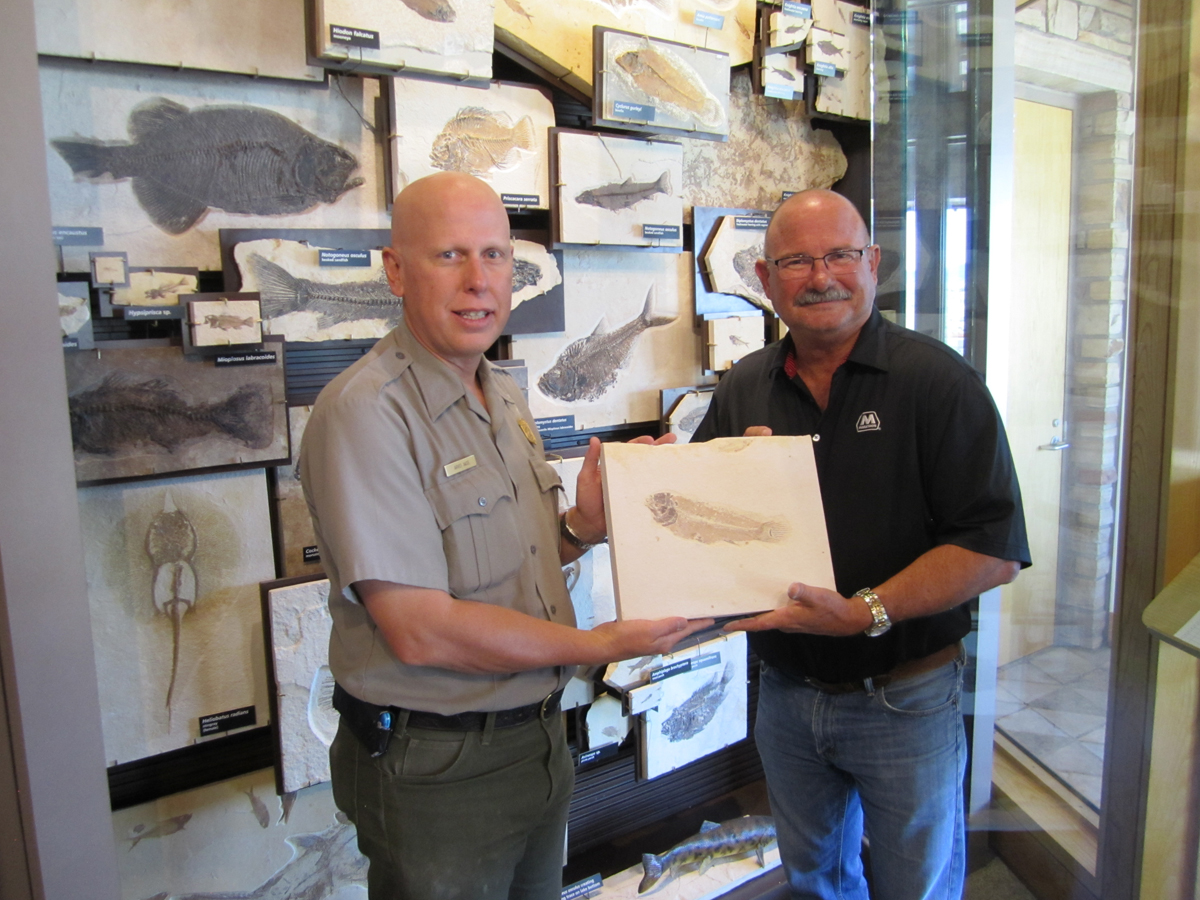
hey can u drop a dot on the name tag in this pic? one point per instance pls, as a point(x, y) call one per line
point(461, 465)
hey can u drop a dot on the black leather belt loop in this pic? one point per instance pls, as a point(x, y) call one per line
point(908, 669)
point(363, 716)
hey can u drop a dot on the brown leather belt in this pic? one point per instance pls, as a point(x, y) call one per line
point(906, 669)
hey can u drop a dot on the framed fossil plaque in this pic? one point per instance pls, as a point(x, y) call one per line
point(658, 86)
point(730, 255)
point(173, 568)
point(297, 626)
point(75, 315)
point(141, 409)
point(497, 132)
point(439, 37)
point(710, 301)
point(616, 191)
point(714, 529)
point(701, 708)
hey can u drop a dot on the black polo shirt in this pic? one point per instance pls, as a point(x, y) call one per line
point(911, 454)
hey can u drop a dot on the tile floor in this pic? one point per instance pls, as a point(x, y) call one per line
point(1053, 703)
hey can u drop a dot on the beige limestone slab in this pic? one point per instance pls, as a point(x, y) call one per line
point(714, 529)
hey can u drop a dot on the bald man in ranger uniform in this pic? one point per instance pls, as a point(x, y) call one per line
point(453, 634)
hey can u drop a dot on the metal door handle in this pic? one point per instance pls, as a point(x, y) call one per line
point(1055, 444)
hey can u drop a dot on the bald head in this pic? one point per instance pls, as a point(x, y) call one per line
point(813, 209)
point(432, 197)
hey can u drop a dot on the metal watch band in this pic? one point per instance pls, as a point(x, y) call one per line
point(572, 538)
point(882, 622)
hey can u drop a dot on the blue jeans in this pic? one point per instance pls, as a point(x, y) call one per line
point(890, 760)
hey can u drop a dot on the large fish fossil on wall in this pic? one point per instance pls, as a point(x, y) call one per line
point(240, 159)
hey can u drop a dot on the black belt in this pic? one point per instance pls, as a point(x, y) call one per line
point(908, 669)
point(373, 724)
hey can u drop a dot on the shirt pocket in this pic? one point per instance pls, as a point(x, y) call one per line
point(481, 533)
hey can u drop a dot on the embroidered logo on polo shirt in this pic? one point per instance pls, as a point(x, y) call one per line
point(868, 421)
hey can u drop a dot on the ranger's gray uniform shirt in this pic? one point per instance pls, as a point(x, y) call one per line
point(410, 480)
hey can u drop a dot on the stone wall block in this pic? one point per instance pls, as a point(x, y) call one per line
point(1091, 569)
point(1062, 18)
point(1086, 594)
point(1080, 628)
point(1101, 264)
point(1107, 239)
point(1108, 290)
point(1099, 319)
point(1100, 348)
point(1033, 15)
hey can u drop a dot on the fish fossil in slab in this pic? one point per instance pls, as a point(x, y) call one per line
point(525, 274)
point(625, 194)
point(73, 313)
point(663, 77)
point(433, 10)
point(171, 545)
point(172, 825)
point(690, 717)
point(749, 834)
point(518, 9)
point(322, 866)
point(258, 808)
point(242, 159)
point(122, 412)
point(228, 322)
point(478, 141)
point(588, 367)
point(282, 292)
point(692, 420)
point(708, 523)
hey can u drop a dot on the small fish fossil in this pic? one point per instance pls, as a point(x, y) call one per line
point(433, 10)
point(518, 9)
point(259, 808)
point(692, 420)
point(164, 290)
point(525, 274)
point(478, 140)
point(625, 194)
point(783, 73)
point(228, 323)
point(729, 839)
point(282, 293)
point(588, 367)
point(744, 264)
point(829, 48)
point(242, 159)
point(171, 545)
point(122, 412)
point(739, 341)
point(663, 76)
point(695, 520)
point(162, 829)
point(690, 717)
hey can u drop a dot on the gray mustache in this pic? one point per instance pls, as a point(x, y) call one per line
point(811, 295)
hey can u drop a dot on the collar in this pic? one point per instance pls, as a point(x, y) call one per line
point(438, 383)
point(870, 348)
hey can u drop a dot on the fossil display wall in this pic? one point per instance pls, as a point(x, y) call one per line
point(221, 191)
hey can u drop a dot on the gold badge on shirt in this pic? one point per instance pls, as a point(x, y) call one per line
point(529, 433)
point(459, 465)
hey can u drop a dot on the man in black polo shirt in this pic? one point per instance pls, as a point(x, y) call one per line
point(858, 714)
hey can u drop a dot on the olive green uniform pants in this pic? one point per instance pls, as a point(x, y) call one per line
point(477, 815)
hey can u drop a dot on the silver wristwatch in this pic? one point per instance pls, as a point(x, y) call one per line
point(882, 623)
point(569, 535)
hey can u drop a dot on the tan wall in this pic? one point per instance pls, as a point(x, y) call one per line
point(1169, 864)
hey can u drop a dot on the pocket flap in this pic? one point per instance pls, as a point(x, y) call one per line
point(472, 493)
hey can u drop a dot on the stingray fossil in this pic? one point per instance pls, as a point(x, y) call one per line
point(171, 546)
point(242, 159)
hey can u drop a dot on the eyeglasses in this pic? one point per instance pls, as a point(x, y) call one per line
point(838, 262)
